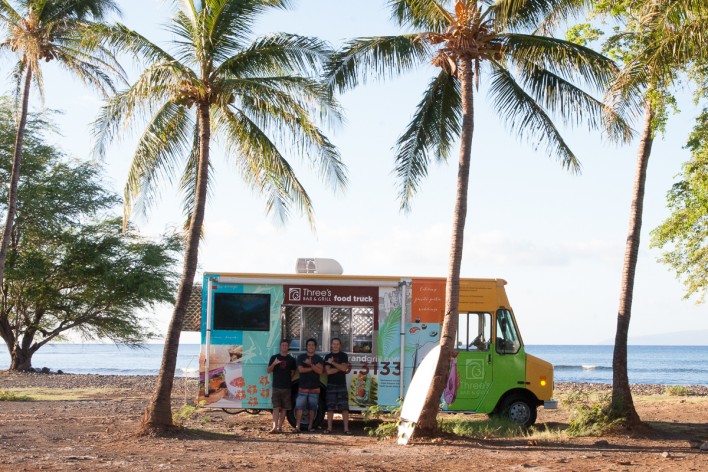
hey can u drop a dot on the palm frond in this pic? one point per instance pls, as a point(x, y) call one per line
point(121, 38)
point(535, 15)
point(78, 10)
point(569, 60)
point(8, 15)
point(523, 114)
point(425, 15)
point(154, 86)
point(380, 56)
point(284, 106)
point(436, 124)
point(158, 152)
point(279, 53)
point(262, 165)
point(573, 104)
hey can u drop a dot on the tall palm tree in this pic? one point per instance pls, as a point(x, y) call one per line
point(254, 94)
point(50, 30)
point(660, 40)
point(531, 76)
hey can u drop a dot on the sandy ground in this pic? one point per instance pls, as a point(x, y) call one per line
point(88, 422)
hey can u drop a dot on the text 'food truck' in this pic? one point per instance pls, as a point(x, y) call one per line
point(386, 325)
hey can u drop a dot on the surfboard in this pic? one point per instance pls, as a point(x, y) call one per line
point(415, 396)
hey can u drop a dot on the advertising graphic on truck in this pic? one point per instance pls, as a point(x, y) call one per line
point(386, 326)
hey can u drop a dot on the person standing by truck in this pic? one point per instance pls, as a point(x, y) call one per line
point(336, 366)
point(310, 366)
point(282, 366)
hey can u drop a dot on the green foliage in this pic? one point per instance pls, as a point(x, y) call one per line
point(583, 34)
point(684, 233)
point(677, 390)
point(534, 80)
point(589, 416)
point(6, 396)
point(69, 264)
point(388, 421)
point(256, 95)
point(183, 414)
point(493, 427)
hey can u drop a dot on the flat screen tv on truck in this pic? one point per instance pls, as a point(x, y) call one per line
point(386, 324)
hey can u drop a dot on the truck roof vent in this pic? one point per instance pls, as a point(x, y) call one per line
point(316, 265)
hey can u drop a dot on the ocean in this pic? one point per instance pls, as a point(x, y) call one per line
point(667, 365)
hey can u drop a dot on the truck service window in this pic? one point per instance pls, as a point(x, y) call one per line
point(242, 311)
point(474, 331)
point(354, 326)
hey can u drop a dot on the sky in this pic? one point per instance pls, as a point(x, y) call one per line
point(557, 238)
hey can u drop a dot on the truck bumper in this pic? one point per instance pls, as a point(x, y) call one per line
point(550, 404)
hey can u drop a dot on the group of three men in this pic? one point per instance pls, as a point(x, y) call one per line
point(310, 366)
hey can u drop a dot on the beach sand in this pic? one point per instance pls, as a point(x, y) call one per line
point(88, 422)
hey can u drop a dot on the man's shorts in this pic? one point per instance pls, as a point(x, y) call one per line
point(337, 398)
point(282, 398)
point(307, 401)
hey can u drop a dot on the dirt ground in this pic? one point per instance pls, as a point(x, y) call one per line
point(91, 425)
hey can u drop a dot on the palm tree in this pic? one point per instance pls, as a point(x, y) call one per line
point(50, 30)
point(255, 94)
point(660, 40)
point(531, 77)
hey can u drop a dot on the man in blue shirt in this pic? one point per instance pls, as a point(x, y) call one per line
point(310, 366)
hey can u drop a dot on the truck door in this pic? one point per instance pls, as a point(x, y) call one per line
point(509, 356)
point(474, 361)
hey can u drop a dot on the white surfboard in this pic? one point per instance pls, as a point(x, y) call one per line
point(415, 396)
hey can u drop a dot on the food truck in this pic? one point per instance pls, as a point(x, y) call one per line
point(386, 326)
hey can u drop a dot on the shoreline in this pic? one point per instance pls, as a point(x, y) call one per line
point(145, 383)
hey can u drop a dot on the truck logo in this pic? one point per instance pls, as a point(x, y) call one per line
point(295, 294)
point(474, 369)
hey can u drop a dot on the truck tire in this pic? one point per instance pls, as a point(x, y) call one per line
point(319, 417)
point(518, 409)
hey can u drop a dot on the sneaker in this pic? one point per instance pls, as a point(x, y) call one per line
point(348, 432)
point(274, 431)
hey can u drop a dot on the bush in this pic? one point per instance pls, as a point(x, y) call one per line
point(388, 421)
point(677, 390)
point(6, 396)
point(588, 417)
point(181, 416)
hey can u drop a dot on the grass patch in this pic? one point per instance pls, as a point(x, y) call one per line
point(8, 396)
point(589, 415)
point(62, 394)
point(676, 391)
point(492, 427)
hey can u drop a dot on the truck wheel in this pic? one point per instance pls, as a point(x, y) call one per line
point(519, 410)
point(304, 422)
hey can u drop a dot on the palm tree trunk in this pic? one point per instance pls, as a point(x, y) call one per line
point(158, 414)
point(15, 174)
point(427, 423)
point(622, 403)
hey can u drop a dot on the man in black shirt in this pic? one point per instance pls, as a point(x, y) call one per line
point(336, 367)
point(310, 366)
point(282, 365)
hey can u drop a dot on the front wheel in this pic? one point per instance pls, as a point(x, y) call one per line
point(519, 410)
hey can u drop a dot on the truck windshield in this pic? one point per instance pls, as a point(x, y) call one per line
point(507, 337)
